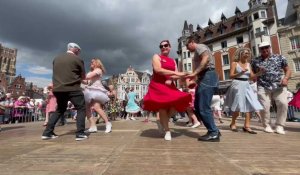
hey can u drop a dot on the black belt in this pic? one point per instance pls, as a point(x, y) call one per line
point(242, 79)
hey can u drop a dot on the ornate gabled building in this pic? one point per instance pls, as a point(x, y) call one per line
point(289, 34)
point(133, 79)
point(243, 29)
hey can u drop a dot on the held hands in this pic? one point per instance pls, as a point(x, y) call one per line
point(181, 74)
point(190, 76)
point(175, 76)
point(261, 71)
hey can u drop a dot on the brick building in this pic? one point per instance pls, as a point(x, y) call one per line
point(243, 29)
point(17, 87)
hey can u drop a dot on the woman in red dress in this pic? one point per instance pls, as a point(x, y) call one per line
point(163, 96)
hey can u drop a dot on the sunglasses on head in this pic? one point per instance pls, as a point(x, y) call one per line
point(163, 45)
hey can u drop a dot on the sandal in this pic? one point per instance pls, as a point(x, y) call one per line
point(249, 130)
point(233, 129)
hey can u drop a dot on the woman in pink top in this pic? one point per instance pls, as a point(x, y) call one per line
point(51, 103)
point(96, 95)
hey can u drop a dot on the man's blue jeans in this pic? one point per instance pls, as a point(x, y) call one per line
point(207, 85)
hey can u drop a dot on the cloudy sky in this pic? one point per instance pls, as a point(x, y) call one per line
point(120, 32)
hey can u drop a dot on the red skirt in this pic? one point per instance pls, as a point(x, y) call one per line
point(162, 96)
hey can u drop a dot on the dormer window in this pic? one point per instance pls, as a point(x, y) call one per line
point(222, 29)
point(237, 25)
point(208, 34)
point(223, 18)
point(238, 12)
point(210, 23)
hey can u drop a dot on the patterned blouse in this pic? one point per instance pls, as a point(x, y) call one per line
point(272, 77)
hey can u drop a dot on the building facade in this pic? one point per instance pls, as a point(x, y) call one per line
point(8, 58)
point(244, 29)
point(289, 34)
point(17, 87)
point(133, 79)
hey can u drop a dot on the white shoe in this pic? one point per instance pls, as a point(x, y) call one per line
point(108, 127)
point(189, 125)
point(279, 130)
point(160, 128)
point(268, 129)
point(196, 125)
point(127, 118)
point(168, 136)
point(132, 118)
point(92, 130)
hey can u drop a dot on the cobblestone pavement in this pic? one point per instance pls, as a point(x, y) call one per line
point(137, 148)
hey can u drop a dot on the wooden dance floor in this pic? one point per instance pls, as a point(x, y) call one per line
point(136, 148)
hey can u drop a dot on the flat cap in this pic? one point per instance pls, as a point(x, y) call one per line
point(73, 45)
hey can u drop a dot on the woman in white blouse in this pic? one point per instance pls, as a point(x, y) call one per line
point(96, 95)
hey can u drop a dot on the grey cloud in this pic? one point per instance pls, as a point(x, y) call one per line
point(120, 32)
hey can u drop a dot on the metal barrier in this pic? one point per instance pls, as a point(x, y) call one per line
point(21, 115)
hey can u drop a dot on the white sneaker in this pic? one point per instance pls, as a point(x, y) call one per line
point(92, 130)
point(196, 125)
point(168, 136)
point(268, 129)
point(279, 130)
point(132, 118)
point(189, 125)
point(108, 127)
point(160, 128)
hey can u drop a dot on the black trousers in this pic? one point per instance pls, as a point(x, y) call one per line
point(77, 99)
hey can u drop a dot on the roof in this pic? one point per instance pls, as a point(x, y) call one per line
point(291, 14)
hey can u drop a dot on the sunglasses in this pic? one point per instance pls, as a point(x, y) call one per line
point(164, 46)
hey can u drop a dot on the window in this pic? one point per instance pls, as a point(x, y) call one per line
point(136, 87)
point(222, 30)
point(263, 14)
point(295, 43)
point(252, 34)
point(224, 44)
point(226, 74)
point(189, 66)
point(208, 35)
point(257, 30)
point(254, 50)
point(255, 16)
point(297, 64)
point(239, 39)
point(184, 69)
point(184, 55)
point(237, 25)
point(210, 47)
point(250, 19)
point(189, 54)
point(225, 60)
point(266, 30)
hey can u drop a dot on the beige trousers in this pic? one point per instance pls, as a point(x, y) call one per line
point(280, 98)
